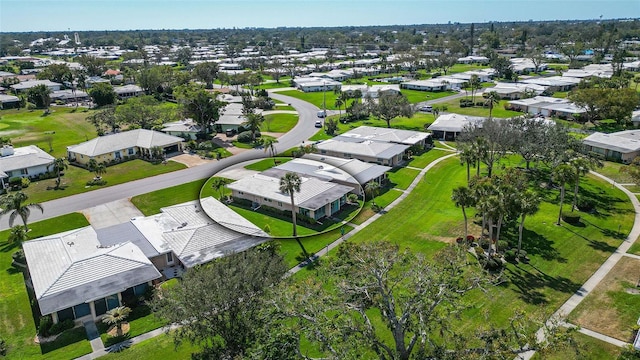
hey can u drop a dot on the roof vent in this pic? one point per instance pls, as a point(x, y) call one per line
point(70, 243)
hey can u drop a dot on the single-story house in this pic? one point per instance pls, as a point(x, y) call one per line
point(513, 91)
point(309, 84)
point(554, 83)
point(473, 60)
point(22, 87)
point(69, 96)
point(9, 101)
point(28, 161)
point(115, 147)
point(75, 277)
point(382, 153)
point(396, 136)
point(449, 126)
point(547, 106)
point(317, 198)
point(183, 128)
point(621, 146)
point(231, 117)
point(436, 84)
point(93, 80)
point(351, 172)
point(128, 91)
point(525, 65)
point(83, 273)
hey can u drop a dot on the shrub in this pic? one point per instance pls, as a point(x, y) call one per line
point(61, 326)
point(15, 181)
point(45, 326)
point(267, 229)
point(96, 182)
point(245, 137)
point(571, 218)
point(586, 205)
point(25, 182)
point(18, 257)
point(479, 250)
point(3, 347)
point(484, 243)
point(503, 245)
point(510, 255)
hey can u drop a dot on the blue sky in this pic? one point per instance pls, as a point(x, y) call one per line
point(78, 15)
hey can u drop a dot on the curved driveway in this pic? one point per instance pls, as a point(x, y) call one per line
point(302, 131)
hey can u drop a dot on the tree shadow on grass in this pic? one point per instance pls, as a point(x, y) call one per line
point(608, 232)
point(529, 284)
point(67, 338)
point(595, 244)
point(8, 246)
point(537, 244)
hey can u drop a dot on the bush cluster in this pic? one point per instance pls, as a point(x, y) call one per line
point(571, 218)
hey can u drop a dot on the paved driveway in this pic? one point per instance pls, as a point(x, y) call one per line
point(111, 213)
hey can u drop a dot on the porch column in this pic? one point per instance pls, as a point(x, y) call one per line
point(93, 310)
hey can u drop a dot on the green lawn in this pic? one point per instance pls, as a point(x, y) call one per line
point(252, 145)
point(292, 252)
point(75, 179)
point(562, 257)
point(612, 171)
point(382, 200)
point(151, 203)
point(453, 106)
point(316, 98)
point(159, 347)
point(141, 320)
point(17, 323)
point(265, 164)
point(458, 68)
point(416, 96)
point(279, 123)
point(401, 178)
point(63, 127)
point(421, 161)
point(281, 105)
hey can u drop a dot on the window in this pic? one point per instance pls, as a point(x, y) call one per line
point(170, 257)
point(140, 289)
point(323, 151)
point(82, 310)
point(66, 314)
point(130, 151)
point(24, 172)
point(105, 304)
point(279, 203)
point(117, 155)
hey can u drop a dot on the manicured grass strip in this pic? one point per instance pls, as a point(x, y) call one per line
point(425, 159)
point(635, 248)
point(17, 323)
point(381, 200)
point(279, 123)
point(453, 106)
point(75, 179)
point(279, 227)
point(68, 345)
point(612, 170)
point(265, 164)
point(292, 253)
point(159, 347)
point(320, 135)
point(401, 178)
point(316, 98)
point(150, 203)
point(416, 96)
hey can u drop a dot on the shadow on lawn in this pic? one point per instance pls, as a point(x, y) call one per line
point(537, 244)
point(595, 244)
point(529, 284)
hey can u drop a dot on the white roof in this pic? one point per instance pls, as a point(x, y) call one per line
point(25, 157)
point(367, 148)
point(453, 122)
point(33, 83)
point(8, 98)
point(185, 126)
point(363, 172)
point(187, 231)
point(127, 89)
point(399, 136)
point(622, 141)
point(228, 218)
point(72, 268)
point(314, 193)
point(141, 138)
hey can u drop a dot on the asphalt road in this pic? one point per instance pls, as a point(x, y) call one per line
point(302, 131)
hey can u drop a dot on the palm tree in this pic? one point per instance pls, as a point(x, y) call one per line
point(372, 188)
point(474, 83)
point(492, 99)
point(218, 183)
point(253, 123)
point(468, 157)
point(17, 235)
point(290, 184)
point(58, 165)
point(562, 174)
point(528, 204)
point(98, 169)
point(116, 317)
point(338, 104)
point(12, 204)
point(270, 145)
point(463, 197)
point(581, 166)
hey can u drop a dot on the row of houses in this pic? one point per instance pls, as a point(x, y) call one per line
point(81, 274)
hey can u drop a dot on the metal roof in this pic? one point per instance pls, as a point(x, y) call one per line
point(141, 138)
point(25, 157)
point(119, 233)
point(72, 268)
point(364, 148)
point(453, 122)
point(399, 136)
point(623, 142)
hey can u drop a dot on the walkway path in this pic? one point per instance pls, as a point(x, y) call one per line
point(358, 228)
point(94, 336)
point(602, 271)
point(127, 343)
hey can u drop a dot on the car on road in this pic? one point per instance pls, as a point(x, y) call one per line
point(322, 113)
point(426, 108)
point(230, 132)
point(318, 124)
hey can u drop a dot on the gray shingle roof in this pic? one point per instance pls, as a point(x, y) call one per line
point(141, 138)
